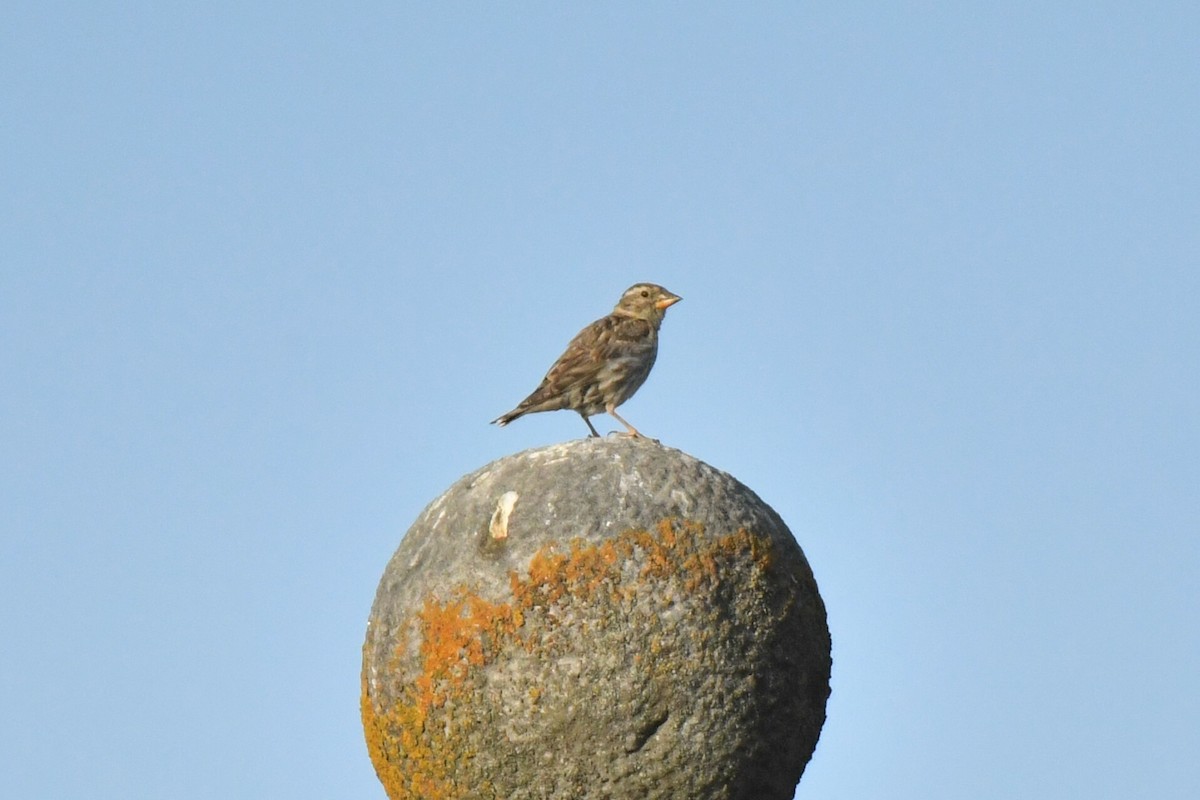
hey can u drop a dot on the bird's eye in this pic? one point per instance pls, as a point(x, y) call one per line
point(645, 292)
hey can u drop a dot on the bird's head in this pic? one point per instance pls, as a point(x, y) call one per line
point(647, 301)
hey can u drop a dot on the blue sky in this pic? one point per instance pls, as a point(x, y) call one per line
point(268, 272)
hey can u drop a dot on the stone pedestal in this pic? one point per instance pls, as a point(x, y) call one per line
point(605, 618)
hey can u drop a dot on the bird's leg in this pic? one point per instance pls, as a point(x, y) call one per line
point(588, 422)
point(612, 412)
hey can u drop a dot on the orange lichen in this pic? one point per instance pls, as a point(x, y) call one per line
point(416, 751)
point(453, 637)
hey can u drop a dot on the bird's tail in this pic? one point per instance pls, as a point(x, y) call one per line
point(504, 419)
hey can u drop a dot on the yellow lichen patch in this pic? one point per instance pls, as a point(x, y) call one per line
point(419, 735)
point(542, 583)
point(413, 758)
point(404, 762)
point(588, 567)
point(454, 634)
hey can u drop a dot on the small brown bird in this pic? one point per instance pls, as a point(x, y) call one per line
point(606, 362)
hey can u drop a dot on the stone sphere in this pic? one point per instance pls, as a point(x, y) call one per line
point(604, 618)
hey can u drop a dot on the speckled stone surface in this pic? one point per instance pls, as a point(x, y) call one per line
point(604, 618)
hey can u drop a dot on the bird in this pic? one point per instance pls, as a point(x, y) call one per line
point(605, 363)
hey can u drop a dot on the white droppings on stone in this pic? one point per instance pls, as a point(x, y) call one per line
point(682, 499)
point(552, 454)
point(629, 482)
point(504, 506)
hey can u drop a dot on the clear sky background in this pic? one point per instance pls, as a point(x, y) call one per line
point(269, 271)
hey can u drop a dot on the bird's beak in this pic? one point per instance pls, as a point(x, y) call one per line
point(667, 301)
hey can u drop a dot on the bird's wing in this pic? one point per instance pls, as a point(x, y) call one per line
point(581, 360)
point(587, 359)
point(607, 338)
